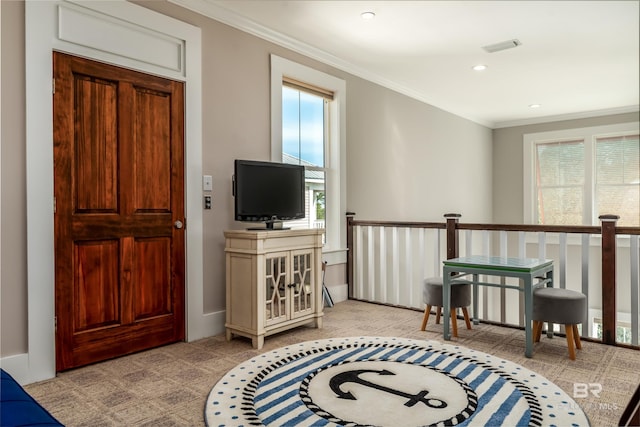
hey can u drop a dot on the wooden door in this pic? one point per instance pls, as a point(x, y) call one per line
point(119, 214)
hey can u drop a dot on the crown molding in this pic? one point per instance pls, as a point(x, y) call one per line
point(211, 9)
point(569, 116)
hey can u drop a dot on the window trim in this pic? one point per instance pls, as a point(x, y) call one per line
point(334, 250)
point(588, 134)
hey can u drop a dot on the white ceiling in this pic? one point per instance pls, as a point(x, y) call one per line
point(577, 58)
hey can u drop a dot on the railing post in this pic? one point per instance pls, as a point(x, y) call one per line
point(350, 216)
point(452, 235)
point(608, 224)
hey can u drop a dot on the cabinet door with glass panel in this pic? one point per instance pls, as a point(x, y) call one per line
point(302, 289)
point(289, 286)
point(276, 281)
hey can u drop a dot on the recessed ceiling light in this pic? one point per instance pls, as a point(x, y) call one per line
point(367, 16)
point(480, 67)
point(535, 106)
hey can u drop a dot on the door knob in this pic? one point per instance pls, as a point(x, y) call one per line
point(178, 224)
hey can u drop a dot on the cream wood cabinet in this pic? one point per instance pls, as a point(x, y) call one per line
point(274, 281)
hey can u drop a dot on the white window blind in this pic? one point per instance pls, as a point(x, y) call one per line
point(617, 164)
point(573, 176)
point(560, 178)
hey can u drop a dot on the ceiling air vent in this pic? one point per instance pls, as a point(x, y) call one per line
point(497, 47)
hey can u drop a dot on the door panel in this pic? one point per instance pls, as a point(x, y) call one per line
point(152, 286)
point(119, 188)
point(151, 142)
point(96, 292)
point(96, 146)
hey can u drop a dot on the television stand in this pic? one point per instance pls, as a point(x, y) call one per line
point(269, 225)
point(273, 282)
point(267, 229)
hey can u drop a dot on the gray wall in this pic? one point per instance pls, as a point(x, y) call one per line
point(409, 161)
point(13, 244)
point(507, 162)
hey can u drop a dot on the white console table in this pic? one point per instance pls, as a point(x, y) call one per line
point(273, 281)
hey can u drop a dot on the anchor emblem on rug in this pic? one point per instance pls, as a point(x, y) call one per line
point(354, 377)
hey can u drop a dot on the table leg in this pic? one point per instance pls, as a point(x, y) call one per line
point(446, 297)
point(528, 311)
point(475, 300)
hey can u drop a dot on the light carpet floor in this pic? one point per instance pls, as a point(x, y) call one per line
point(168, 386)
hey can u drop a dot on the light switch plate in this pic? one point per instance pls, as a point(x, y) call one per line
point(207, 183)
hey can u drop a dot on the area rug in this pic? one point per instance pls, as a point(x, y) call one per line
point(383, 381)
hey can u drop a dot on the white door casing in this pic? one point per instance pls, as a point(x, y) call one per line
point(126, 35)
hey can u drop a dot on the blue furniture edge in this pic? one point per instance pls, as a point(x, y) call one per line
point(18, 408)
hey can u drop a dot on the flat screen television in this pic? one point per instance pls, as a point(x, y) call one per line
point(268, 192)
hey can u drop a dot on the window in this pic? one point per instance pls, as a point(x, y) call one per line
point(305, 120)
point(574, 176)
point(308, 117)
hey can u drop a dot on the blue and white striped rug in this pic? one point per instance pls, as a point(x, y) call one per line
point(378, 381)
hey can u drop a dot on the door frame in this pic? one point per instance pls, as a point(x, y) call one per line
point(45, 31)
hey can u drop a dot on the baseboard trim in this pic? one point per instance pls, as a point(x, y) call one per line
point(338, 293)
point(18, 367)
point(210, 324)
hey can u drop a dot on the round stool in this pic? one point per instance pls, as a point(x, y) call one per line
point(555, 305)
point(432, 297)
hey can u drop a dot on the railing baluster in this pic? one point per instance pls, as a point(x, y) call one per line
point(408, 266)
point(395, 265)
point(542, 245)
point(421, 254)
point(635, 284)
point(359, 263)
point(485, 290)
point(502, 238)
point(383, 263)
point(438, 257)
point(522, 248)
point(468, 242)
point(522, 253)
point(502, 235)
point(486, 243)
point(562, 250)
point(371, 263)
point(585, 282)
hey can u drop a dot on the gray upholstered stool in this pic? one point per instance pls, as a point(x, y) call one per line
point(432, 297)
point(555, 305)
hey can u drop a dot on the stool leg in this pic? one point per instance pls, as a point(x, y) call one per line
point(438, 312)
point(425, 319)
point(465, 312)
point(569, 332)
point(537, 330)
point(454, 322)
point(576, 337)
